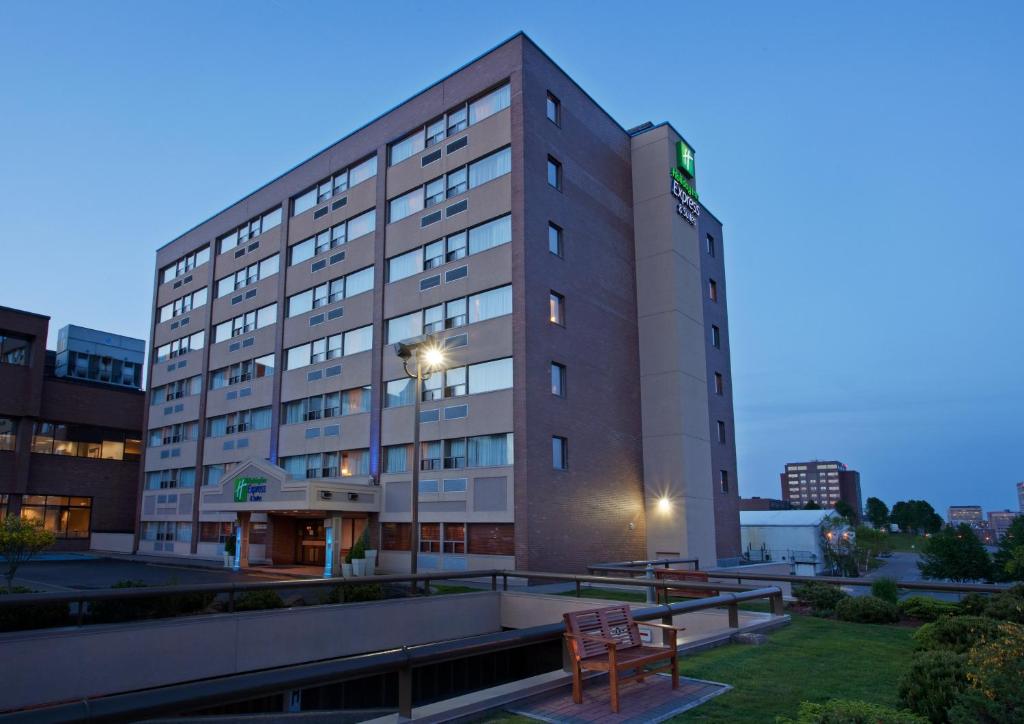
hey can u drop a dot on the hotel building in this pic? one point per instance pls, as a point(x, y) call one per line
point(824, 482)
point(575, 283)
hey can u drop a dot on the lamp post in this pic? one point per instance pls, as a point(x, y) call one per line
point(427, 357)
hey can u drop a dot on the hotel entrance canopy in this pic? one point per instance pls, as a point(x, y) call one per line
point(257, 485)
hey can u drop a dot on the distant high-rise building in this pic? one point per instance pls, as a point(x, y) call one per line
point(1020, 496)
point(969, 514)
point(1000, 521)
point(824, 482)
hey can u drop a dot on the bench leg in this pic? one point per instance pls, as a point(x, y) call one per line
point(675, 672)
point(613, 682)
point(577, 684)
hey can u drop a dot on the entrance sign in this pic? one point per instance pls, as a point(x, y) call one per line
point(250, 490)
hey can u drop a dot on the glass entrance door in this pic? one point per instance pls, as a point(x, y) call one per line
point(312, 541)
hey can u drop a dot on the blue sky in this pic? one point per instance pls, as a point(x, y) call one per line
point(865, 159)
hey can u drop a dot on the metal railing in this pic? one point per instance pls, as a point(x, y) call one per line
point(190, 696)
point(939, 586)
point(638, 568)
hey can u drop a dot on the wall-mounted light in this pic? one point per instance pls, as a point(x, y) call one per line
point(664, 505)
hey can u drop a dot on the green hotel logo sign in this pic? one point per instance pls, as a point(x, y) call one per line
point(250, 490)
point(682, 186)
point(684, 159)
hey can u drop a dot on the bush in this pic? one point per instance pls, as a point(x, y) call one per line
point(258, 601)
point(957, 634)
point(924, 608)
point(844, 711)
point(933, 682)
point(353, 593)
point(40, 615)
point(867, 609)
point(156, 606)
point(1005, 607)
point(821, 597)
point(994, 672)
point(885, 589)
point(973, 604)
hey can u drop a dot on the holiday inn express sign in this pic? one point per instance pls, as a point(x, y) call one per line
point(250, 490)
point(686, 195)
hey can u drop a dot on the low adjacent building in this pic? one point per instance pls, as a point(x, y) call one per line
point(757, 503)
point(785, 536)
point(70, 444)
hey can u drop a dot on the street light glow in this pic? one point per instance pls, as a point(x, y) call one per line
point(664, 504)
point(433, 357)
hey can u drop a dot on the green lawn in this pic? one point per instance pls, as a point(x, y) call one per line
point(906, 542)
point(811, 659)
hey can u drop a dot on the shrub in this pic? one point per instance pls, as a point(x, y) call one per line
point(924, 608)
point(258, 601)
point(39, 615)
point(973, 604)
point(156, 606)
point(957, 634)
point(994, 672)
point(821, 597)
point(885, 589)
point(932, 683)
point(1005, 607)
point(844, 711)
point(353, 594)
point(867, 609)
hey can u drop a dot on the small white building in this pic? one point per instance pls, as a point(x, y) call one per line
point(785, 536)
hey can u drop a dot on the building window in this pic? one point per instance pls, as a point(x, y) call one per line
point(334, 185)
point(454, 538)
point(554, 173)
point(554, 110)
point(723, 480)
point(396, 459)
point(556, 308)
point(710, 244)
point(8, 433)
point(712, 290)
point(13, 349)
point(716, 337)
point(85, 441)
point(721, 431)
point(249, 230)
point(185, 264)
point(557, 379)
point(65, 517)
point(555, 240)
point(719, 384)
point(559, 453)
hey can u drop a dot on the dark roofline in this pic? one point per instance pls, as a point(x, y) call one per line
point(25, 312)
point(462, 67)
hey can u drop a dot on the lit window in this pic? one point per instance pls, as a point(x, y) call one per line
point(556, 308)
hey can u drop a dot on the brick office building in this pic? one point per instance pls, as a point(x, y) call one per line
point(572, 277)
point(824, 482)
point(70, 446)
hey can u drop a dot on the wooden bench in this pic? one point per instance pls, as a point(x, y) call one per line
point(672, 574)
point(608, 639)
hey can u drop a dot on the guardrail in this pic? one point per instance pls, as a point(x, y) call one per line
point(638, 567)
point(182, 698)
point(940, 586)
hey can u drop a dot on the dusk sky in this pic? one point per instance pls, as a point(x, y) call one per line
point(865, 159)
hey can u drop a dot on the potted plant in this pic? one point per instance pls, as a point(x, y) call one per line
point(346, 566)
point(229, 550)
point(371, 554)
point(358, 556)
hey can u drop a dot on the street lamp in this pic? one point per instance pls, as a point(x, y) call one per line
point(427, 357)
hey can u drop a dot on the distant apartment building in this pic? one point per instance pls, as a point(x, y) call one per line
point(572, 277)
point(70, 430)
point(1000, 521)
point(824, 482)
point(972, 515)
point(1020, 497)
point(756, 503)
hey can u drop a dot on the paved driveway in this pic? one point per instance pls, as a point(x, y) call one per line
point(93, 573)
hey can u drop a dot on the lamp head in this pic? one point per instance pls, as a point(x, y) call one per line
point(403, 350)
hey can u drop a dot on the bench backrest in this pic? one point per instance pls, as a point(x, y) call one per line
point(610, 622)
point(672, 574)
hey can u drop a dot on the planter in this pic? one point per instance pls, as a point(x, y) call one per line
point(371, 561)
point(346, 570)
point(359, 566)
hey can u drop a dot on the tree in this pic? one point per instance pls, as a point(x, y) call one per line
point(955, 554)
point(811, 505)
point(845, 510)
point(20, 540)
point(869, 542)
point(1008, 564)
point(876, 512)
point(915, 516)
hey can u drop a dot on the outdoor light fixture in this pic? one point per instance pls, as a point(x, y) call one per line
point(427, 357)
point(664, 504)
